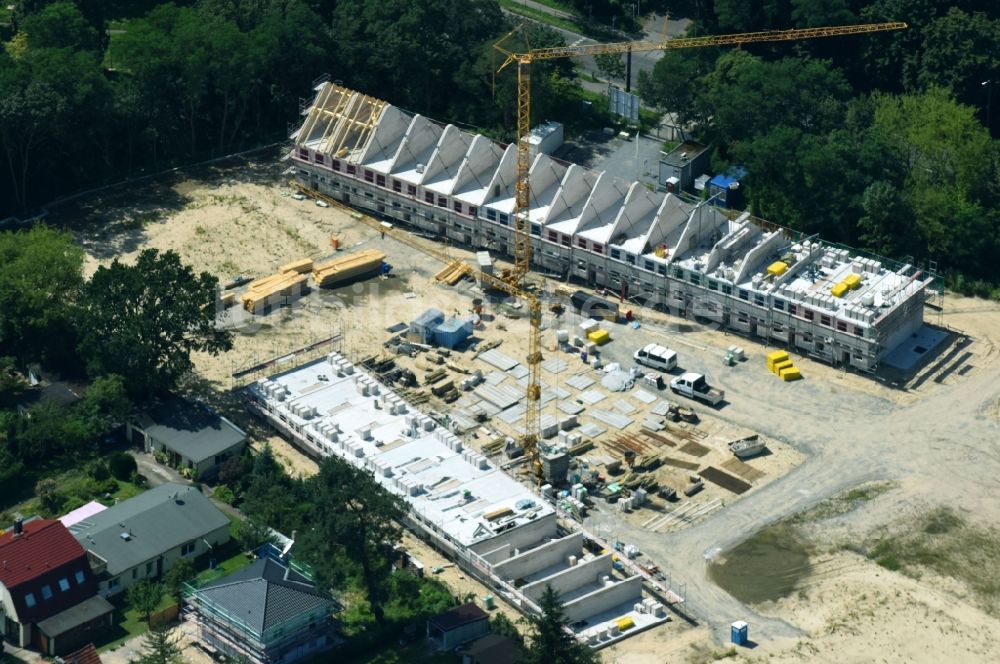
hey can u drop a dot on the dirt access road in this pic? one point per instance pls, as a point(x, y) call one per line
point(939, 443)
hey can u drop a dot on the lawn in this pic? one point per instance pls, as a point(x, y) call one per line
point(75, 490)
point(230, 557)
point(127, 623)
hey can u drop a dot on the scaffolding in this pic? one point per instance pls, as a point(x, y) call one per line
point(222, 632)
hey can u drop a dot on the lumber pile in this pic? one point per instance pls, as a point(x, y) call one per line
point(453, 272)
point(268, 290)
point(347, 267)
point(300, 266)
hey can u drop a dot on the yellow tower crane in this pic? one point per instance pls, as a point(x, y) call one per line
point(522, 187)
point(511, 283)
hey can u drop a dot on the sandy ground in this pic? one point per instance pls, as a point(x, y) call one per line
point(832, 431)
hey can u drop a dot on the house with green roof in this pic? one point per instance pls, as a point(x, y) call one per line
point(142, 537)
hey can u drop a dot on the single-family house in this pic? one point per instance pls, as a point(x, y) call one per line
point(48, 594)
point(190, 434)
point(142, 537)
point(492, 649)
point(456, 626)
point(267, 613)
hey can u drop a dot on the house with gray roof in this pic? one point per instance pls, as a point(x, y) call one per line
point(191, 435)
point(267, 613)
point(142, 537)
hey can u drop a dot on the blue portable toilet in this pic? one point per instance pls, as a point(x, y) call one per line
point(740, 633)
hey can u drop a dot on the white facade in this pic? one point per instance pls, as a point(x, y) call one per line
point(606, 232)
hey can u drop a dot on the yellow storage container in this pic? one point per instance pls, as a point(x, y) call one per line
point(778, 366)
point(774, 357)
point(790, 373)
point(777, 268)
point(852, 281)
point(599, 337)
point(838, 290)
point(625, 623)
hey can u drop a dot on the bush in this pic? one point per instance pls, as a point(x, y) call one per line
point(137, 479)
point(99, 471)
point(225, 494)
point(122, 465)
point(109, 485)
point(72, 502)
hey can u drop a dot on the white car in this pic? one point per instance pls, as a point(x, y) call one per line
point(322, 204)
point(299, 197)
point(656, 357)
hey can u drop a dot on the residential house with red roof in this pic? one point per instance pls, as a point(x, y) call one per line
point(48, 594)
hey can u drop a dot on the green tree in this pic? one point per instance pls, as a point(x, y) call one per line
point(551, 643)
point(819, 13)
point(884, 225)
point(504, 626)
point(11, 383)
point(355, 527)
point(611, 65)
point(746, 96)
point(47, 491)
point(950, 175)
point(673, 83)
point(60, 25)
point(144, 597)
point(250, 534)
point(959, 52)
point(105, 405)
point(159, 647)
point(143, 321)
point(40, 277)
point(174, 578)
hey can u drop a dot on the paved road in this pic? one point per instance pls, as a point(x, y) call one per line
point(943, 443)
point(652, 30)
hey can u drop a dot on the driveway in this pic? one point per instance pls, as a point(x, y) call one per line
point(154, 472)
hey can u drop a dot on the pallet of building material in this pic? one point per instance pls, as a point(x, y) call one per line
point(790, 373)
point(301, 266)
point(257, 300)
point(439, 390)
point(694, 488)
point(432, 377)
point(678, 463)
point(453, 272)
point(694, 449)
point(658, 439)
point(744, 470)
point(356, 265)
point(725, 480)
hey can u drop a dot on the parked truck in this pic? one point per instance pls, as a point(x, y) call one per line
point(694, 386)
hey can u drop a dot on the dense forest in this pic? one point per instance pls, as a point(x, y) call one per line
point(875, 140)
point(878, 140)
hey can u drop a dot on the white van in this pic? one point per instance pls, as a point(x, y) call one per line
point(657, 357)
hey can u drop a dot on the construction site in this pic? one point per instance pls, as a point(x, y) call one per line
point(577, 382)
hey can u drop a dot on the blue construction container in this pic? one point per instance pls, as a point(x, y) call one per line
point(727, 187)
point(422, 327)
point(740, 633)
point(452, 332)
